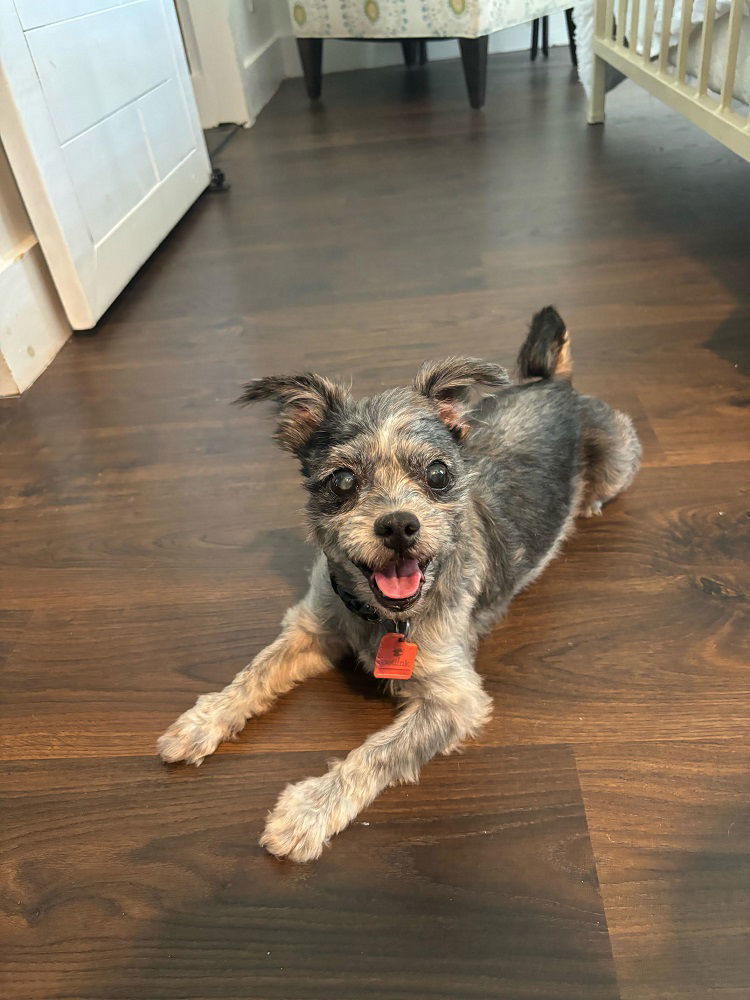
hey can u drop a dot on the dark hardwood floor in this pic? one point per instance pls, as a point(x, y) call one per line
point(595, 843)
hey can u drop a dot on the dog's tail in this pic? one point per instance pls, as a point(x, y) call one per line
point(546, 351)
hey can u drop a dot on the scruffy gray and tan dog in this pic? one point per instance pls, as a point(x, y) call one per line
point(430, 514)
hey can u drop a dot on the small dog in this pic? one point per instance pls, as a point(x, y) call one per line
point(430, 514)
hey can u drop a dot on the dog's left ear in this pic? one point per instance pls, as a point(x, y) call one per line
point(304, 402)
point(449, 383)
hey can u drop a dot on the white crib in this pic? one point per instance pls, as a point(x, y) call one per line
point(692, 54)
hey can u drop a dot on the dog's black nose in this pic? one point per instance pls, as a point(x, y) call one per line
point(398, 530)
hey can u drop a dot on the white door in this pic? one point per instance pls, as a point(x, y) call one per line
point(100, 126)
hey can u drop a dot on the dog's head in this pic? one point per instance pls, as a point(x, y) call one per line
point(386, 475)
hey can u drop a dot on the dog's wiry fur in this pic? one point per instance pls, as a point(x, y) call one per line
point(523, 463)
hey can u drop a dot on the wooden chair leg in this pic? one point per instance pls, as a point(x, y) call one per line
point(571, 25)
point(410, 48)
point(311, 57)
point(534, 39)
point(474, 59)
point(545, 36)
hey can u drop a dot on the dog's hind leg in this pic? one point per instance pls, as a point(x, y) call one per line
point(611, 454)
point(303, 649)
point(441, 711)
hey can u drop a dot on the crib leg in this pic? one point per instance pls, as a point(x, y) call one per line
point(595, 112)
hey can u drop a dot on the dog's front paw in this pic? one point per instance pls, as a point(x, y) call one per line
point(594, 509)
point(199, 731)
point(304, 819)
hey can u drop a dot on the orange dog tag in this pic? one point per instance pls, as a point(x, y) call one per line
point(396, 656)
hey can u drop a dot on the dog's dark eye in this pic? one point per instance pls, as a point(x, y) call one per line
point(343, 482)
point(437, 476)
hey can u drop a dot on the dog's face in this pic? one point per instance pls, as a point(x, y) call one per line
point(388, 487)
point(387, 493)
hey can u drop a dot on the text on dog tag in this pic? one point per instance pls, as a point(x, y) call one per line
point(395, 657)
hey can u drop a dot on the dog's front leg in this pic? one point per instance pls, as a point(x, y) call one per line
point(303, 649)
point(445, 707)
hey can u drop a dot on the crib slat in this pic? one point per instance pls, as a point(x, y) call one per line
point(622, 13)
point(648, 32)
point(733, 47)
point(682, 48)
point(667, 8)
point(635, 13)
point(600, 14)
point(707, 37)
point(609, 15)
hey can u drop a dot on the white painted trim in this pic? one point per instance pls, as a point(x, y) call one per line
point(34, 326)
point(262, 74)
point(248, 61)
point(19, 252)
point(8, 385)
point(215, 75)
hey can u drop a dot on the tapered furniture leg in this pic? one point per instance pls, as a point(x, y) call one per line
point(410, 48)
point(311, 57)
point(474, 59)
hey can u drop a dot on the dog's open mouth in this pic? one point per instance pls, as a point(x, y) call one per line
point(398, 584)
point(399, 580)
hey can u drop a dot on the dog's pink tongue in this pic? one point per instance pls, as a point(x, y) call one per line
point(399, 579)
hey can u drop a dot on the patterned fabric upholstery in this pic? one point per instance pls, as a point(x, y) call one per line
point(413, 18)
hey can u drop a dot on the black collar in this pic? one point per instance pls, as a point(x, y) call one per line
point(357, 607)
point(367, 612)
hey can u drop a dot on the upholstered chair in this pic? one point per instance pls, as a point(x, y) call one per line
point(413, 22)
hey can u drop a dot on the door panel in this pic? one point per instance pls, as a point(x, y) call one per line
point(91, 67)
point(116, 148)
point(34, 13)
point(167, 126)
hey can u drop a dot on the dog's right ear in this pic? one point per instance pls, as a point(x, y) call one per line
point(448, 384)
point(304, 401)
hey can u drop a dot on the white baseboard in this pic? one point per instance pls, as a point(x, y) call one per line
point(262, 72)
